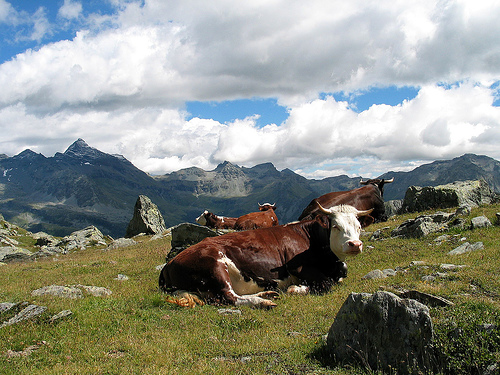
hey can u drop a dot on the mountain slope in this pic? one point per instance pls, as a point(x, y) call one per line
point(84, 186)
point(465, 167)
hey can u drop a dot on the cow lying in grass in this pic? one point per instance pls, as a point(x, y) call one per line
point(211, 220)
point(264, 218)
point(246, 268)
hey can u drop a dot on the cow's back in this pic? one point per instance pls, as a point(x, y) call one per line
point(255, 220)
point(362, 198)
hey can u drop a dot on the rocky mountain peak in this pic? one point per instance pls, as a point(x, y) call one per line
point(80, 149)
point(226, 166)
point(28, 155)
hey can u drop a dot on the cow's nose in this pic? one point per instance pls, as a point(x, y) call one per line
point(355, 245)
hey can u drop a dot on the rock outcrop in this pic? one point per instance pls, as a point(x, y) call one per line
point(425, 224)
point(147, 219)
point(469, 193)
point(383, 332)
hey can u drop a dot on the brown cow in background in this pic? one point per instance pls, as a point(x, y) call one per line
point(367, 197)
point(265, 218)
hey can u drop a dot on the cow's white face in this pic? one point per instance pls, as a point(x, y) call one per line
point(202, 220)
point(345, 230)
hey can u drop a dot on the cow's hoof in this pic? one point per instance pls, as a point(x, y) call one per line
point(269, 294)
point(267, 304)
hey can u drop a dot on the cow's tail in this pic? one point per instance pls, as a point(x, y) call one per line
point(180, 298)
point(185, 299)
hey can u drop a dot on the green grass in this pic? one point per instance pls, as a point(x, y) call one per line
point(135, 331)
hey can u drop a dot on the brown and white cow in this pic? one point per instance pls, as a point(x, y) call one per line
point(245, 268)
point(211, 220)
point(265, 218)
point(367, 197)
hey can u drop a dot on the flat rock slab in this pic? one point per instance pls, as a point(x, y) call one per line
point(58, 291)
point(426, 299)
point(466, 248)
point(61, 315)
point(27, 313)
point(72, 291)
point(96, 291)
point(6, 306)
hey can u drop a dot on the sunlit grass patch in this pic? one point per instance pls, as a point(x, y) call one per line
point(136, 330)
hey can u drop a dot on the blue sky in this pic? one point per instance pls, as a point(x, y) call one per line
point(322, 88)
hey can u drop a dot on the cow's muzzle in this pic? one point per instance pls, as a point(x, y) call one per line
point(354, 247)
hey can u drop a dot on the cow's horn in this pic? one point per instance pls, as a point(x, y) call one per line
point(323, 210)
point(364, 213)
point(259, 204)
point(389, 181)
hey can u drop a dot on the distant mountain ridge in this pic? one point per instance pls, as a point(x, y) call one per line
point(84, 186)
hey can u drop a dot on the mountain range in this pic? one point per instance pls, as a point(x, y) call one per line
point(84, 186)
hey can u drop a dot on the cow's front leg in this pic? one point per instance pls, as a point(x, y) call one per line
point(222, 276)
point(259, 300)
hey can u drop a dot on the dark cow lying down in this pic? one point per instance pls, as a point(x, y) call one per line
point(241, 268)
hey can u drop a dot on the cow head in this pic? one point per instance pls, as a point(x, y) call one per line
point(202, 219)
point(344, 230)
point(267, 206)
point(378, 182)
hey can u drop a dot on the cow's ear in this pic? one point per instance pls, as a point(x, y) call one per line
point(365, 220)
point(323, 220)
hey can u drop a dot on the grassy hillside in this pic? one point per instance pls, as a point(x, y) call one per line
point(135, 331)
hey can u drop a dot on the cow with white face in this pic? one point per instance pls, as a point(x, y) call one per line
point(345, 231)
point(246, 268)
point(211, 220)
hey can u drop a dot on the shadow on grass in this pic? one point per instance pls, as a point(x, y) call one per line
point(325, 358)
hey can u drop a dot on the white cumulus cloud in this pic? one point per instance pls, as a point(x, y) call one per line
point(121, 83)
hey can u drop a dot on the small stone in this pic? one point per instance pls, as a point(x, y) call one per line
point(61, 315)
point(229, 312)
point(428, 278)
point(451, 267)
point(96, 291)
point(480, 222)
point(466, 247)
point(389, 272)
point(375, 274)
point(122, 277)
point(417, 263)
point(121, 242)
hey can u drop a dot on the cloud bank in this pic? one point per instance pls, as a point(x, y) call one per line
point(121, 83)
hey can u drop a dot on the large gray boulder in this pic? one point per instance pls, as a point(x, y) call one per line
point(147, 219)
point(393, 207)
point(383, 332)
point(187, 234)
point(467, 193)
